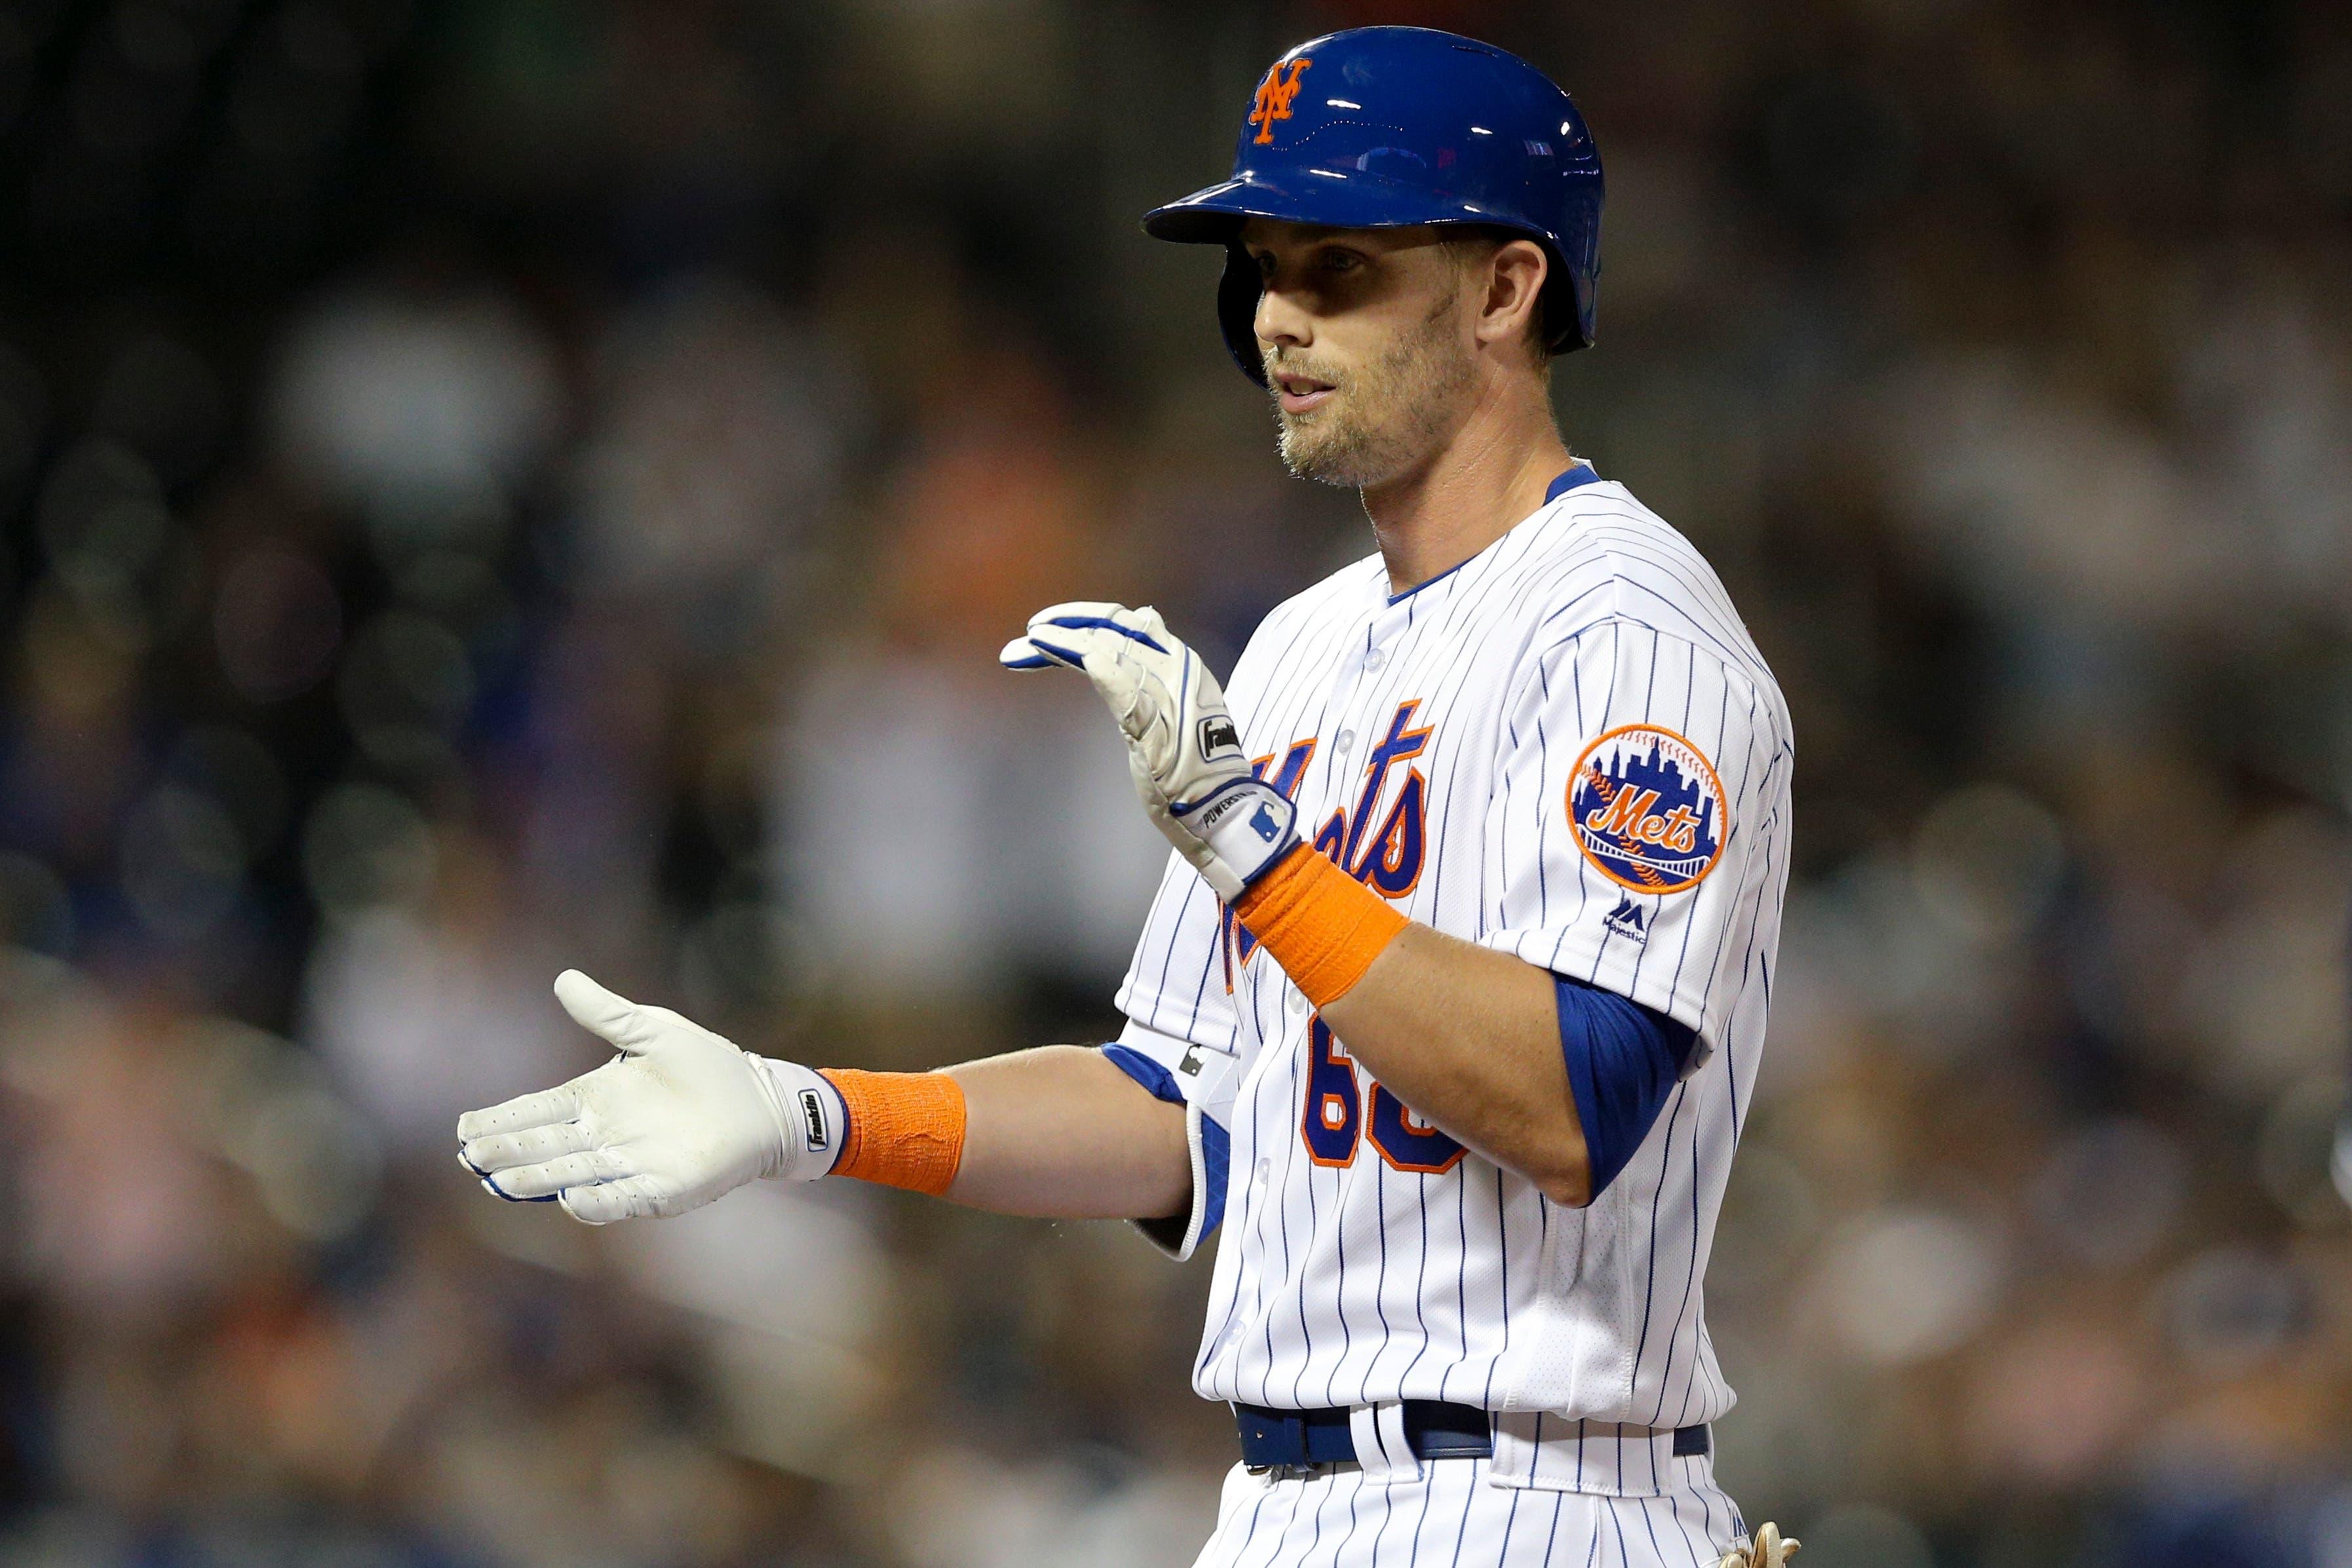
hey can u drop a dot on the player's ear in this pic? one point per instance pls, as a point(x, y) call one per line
point(1515, 277)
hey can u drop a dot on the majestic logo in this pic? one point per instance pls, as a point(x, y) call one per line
point(1626, 920)
point(1274, 96)
point(1649, 812)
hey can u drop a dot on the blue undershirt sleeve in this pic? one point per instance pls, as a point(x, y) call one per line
point(1146, 1072)
point(1623, 1060)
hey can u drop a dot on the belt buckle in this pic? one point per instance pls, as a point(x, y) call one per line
point(1281, 1472)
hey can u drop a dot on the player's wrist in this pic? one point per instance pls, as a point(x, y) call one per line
point(1323, 926)
point(899, 1129)
point(1246, 827)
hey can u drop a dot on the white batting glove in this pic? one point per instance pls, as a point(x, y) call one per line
point(1183, 750)
point(680, 1117)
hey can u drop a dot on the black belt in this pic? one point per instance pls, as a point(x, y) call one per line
point(1294, 1439)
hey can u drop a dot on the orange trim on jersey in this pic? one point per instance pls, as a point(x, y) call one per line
point(906, 1129)
point(1322, 926)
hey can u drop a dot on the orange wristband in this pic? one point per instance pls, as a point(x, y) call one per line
point(906, 1129)
point(1322, 926)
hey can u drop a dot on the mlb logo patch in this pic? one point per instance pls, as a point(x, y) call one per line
point(1650, 814)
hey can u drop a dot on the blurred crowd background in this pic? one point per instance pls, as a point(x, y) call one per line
point(529, 483)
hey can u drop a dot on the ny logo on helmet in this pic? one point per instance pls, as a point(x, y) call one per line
point(1274, 96)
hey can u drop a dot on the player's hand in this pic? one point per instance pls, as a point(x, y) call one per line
point(1182, 748)
point(678, 1118)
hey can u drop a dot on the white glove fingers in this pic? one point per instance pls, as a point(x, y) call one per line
point(490, 1183)
point(1021, 655)
point(1076, 609)
point(1058, 648)
point(631, 1199)
point(1062, 634)
point(1098, 623)
point(546, 1107)
point(601, 1012)
point(549, 1177)
point(1090, 648)
point(504, 1151)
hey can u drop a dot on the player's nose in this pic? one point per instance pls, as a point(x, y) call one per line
point(1280, 323)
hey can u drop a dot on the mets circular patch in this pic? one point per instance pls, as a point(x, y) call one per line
point(1650, 813)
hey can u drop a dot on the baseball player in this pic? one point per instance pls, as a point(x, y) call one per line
point(1450, 1006)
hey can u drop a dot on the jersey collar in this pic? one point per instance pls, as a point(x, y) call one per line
point(1576, 477)
point(1580, 474)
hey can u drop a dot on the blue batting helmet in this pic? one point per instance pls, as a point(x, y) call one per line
point(1384, 127)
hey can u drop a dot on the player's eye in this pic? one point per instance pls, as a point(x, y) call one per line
point(1341, 261)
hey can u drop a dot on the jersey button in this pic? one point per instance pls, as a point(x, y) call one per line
point(1375, 659)
point(1345, 742)
point(1295, 1001)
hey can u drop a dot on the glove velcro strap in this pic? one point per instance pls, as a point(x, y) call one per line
point(1322, 926)
point(906, 1129)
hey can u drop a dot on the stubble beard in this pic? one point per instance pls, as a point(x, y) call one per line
point(1381, 420)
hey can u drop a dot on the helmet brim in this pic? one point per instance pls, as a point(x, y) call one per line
point(1340, 199)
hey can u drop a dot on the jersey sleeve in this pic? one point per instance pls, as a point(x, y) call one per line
point(1202, 1080)
point(1175, 984)
point(1642, 781)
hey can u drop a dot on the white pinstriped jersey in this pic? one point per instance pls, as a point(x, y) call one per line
point(1566, 748)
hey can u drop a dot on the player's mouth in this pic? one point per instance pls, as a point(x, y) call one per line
point(1298, 394)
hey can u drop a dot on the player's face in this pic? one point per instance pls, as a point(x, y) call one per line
point(1368, 351)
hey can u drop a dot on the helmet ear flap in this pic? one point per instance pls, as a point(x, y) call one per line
point(1567, 307)
point(1238, 291)
point(1576, 262)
